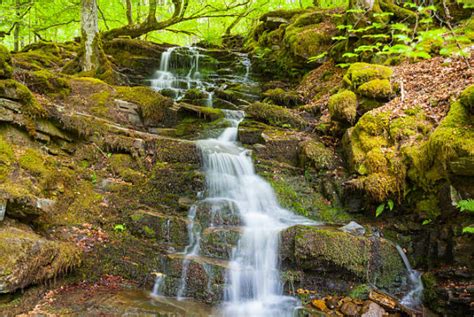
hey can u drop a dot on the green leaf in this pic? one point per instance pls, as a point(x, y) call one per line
point(466, 205)
point(426, 221)
point(350, 55)
point(469, 230)
point(379, 209)
point(343, 65)
point(376, 36)
point(339, 38)
point(317, 57)
point(383, 14)
point(400, 27)
point(355, 11)
point(119, 228)
point(390, 204)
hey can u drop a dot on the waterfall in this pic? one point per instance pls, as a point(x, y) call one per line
point(253, 284)
point(179, 71)
point(413, 297)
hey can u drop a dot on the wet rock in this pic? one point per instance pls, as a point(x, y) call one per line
point(185, 203)
point(281, 97)
point(28, 258)
point(217, 213)
point(315, 154)
point(3, 208)
point(373, 310)
point(204, 277)
point(353, 228)
point(350, 309)
point(163, 228)
point(218, 242)
point(337, 261)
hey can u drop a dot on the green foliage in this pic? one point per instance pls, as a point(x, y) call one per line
point(388, 205)
point(466, 205)
point(119, 227)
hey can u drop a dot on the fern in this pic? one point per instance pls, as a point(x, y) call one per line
point(466, 205)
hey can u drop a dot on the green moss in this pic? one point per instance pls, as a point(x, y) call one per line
point(275, 115)
point(343, 106)
point(377, 89)
point(152, 104)
point(45, 82)
point(11, 89)
point(283, 98)
point(360, 292)
point(428, 207)
point(467, 98)
point(315, 154)
point(149, 232)
point(6, 70)
point(6, 158)
point(36, 60)
point(452, 140)
point(122, 165)
point(307, 41)
point(100, 99)
point(34, 162)
point(360, 73)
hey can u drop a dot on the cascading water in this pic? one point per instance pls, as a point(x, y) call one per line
point(413, 297)
point(176, 77)
point(253, 284)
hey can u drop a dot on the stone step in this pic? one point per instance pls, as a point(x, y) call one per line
point(216, 212)
point(218, 242)
point(204, 277)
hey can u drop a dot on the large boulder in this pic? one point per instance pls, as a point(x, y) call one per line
point(328, 259)
point(27, 258)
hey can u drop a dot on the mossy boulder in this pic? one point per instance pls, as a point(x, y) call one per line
point(377, 149)
point(153, 106)
point(275, 115)
point(360, 73)
point(27, 258)
point(13, 90)
point(45, 82)
point(467, 99)
point(326, 254)
point(343, 106)
point(6, 70)
point(316, 155)
point(281, 97)
point(377, 89)
point(448, 154)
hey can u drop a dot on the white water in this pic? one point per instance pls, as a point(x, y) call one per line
point(413, 297)
point(167, 77)
point(253, 284)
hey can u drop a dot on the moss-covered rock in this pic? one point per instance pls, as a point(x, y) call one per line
point(45, 82)
point(376, 149)
point(316, 155)
point(5, 63)
point(377, 89)
point(13, 90)
point(281, 97)
point(342, 258)
point(28, 258)
point(153, 105)
point(360, 73)
point(343, 106)
point(275, 115)
point(448, 154)
point(467, 99)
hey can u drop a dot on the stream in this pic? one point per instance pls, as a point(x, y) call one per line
point(253, 285)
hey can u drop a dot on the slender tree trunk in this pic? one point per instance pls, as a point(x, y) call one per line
point(16, 31)
point(90, 34)
point(129, 11)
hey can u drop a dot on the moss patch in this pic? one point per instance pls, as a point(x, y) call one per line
point(377, 89)
point(360, 73)
point(275, 115)
point(5, 61)
point(343, 106)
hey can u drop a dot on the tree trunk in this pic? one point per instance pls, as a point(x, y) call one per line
point(16, 31)
point(129, 12)
point(90, 35)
